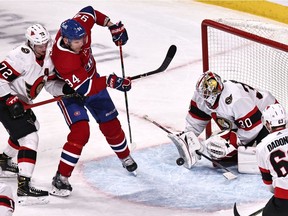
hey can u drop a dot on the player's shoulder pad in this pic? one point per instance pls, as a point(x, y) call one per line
point(88, 9)
point(23, 51)
point(21, 55)
point(231, 93)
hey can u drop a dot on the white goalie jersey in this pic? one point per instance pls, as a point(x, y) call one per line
point(23, 75)
point(272, 159)
point(238, 108)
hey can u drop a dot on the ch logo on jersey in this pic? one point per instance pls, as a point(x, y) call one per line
point(77, 113)
point(229, 99)
point(34, 89)
point(90, 63)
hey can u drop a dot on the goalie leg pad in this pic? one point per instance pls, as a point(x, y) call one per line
point(187, 144)
point(183, 150)
point(247, 161)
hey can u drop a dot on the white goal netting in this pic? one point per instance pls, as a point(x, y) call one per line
point(251, 52)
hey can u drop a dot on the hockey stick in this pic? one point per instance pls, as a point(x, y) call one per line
point(58, 98)
point(126, 98)
point(29, 106)
point(236, 213)
point(228, 174)
point(169, 56)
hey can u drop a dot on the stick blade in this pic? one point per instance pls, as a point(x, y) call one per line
point(172, 51)
point(132, 146)
point(236, 213)
point(168, 58)
point(229, 175)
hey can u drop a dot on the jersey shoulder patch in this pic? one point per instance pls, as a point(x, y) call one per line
point(25, 50)
point(229, 99)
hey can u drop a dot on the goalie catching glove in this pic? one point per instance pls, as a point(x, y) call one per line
point(187, 144)
point(219, 148)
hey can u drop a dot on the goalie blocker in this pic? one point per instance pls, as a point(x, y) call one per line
point(187, 144)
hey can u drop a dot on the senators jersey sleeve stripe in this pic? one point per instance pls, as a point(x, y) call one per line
point(255, 119)
point(266, 176)
point(7, 72)
point(6, 201)
point(195, 112)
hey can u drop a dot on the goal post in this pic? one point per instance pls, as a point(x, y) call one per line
point(251, 52)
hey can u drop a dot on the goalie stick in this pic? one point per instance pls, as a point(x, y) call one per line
point(253, 214)
point(228, 174)
point(168, 58)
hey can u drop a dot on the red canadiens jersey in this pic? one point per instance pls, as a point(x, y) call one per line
point(272, 159)
point(22, 75)
point(79, 69)
point(239, 108)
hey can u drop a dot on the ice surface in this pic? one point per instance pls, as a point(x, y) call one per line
point(100, 185)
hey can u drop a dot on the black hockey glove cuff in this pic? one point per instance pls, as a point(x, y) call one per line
point(15, 107)
point(67, 89)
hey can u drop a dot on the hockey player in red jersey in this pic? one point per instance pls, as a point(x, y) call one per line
point(74, 63)
point(235, 107)
point(23, 73)
point(272, 159)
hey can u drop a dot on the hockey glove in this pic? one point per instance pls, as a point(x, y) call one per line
point(15, 107)
point(119, 33)
point(119, 83)
point(67, 90)
point(219, 148)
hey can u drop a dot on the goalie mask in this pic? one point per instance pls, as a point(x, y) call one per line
point(275, 115)
point(37, 35)
point(209, 86)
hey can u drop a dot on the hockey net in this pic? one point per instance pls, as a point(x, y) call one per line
point(251, 52)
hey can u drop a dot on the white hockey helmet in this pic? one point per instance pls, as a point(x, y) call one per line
point(37, 35)
point(275, 115)
point(209, 86)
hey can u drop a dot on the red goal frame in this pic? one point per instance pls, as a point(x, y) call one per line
point(207, 23)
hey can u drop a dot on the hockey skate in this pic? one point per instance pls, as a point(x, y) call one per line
point(8, 168)
point(129, 164)
point(60, 186)
point(28, 195)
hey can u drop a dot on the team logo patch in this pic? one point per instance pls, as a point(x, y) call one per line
point(223, 123)
point(77, 113)
point(25, 50)
point(34, 89)
point(229, 99)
